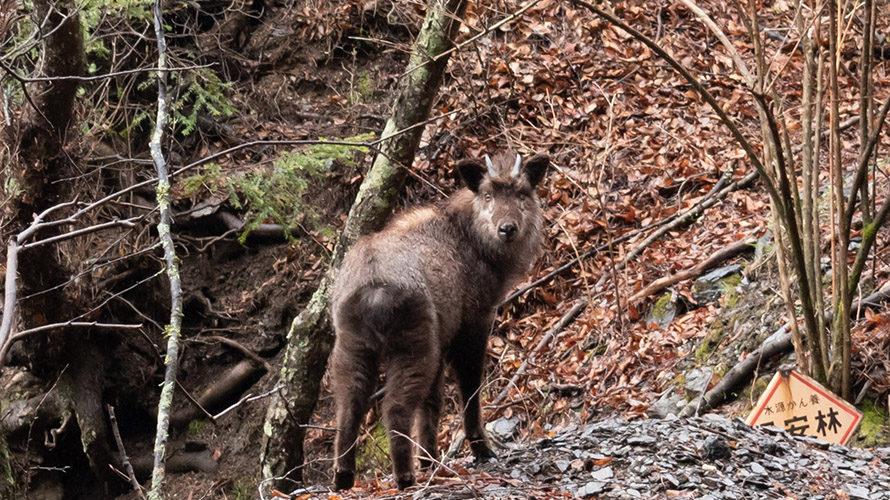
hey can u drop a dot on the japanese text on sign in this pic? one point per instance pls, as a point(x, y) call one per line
point(802, 406)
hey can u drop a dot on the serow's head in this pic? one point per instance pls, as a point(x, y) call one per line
point(505, 205)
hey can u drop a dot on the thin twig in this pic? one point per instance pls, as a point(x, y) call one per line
point(717, 193)
point(372, 145)
point(78, 78)
point(125, 460)
point(247, 399)
point(701, 90)
point(80, 232)
point(481, 34)
point(715, 258)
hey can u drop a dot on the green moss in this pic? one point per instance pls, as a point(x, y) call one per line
point(363, 89)
point(708, 344)
point(752, 392)
point(729, 286)
point(243, 488)
point(680, 380)
point(873, 430)
point(196, 427)
point(663, 310)
point(374, 451)
point(276, 195)
point(869, 231)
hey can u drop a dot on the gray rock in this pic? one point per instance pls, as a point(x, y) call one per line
point(590, 489)
point(668, 404)
point(641, 440)
point(697, 382)
point(504, 429)
point(710, 287)
point(856, 491)
point(716, 448)
point(671, 481)
point(663, 311)
point(603, 474)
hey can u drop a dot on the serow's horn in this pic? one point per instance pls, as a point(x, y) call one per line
point(515, 171)
point(491, 171)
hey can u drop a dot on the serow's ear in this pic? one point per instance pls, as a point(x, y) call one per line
point(535, 167)
point(472, 173)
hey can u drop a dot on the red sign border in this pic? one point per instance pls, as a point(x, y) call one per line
point(831, 397)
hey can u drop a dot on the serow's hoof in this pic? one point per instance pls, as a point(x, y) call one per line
point(405, 482)
point(344, 480)
point(481, 452)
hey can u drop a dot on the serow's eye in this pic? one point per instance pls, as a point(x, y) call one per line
point(487, 196)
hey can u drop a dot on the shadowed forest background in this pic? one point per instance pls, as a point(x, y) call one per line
point(714, 210)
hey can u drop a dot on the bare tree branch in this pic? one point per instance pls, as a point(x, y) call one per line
point(172, 263)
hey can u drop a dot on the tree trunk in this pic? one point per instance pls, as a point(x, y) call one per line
point(311, 338)
point(7, 474)
point(39, 138)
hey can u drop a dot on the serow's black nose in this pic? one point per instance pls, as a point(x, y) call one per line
point(507, 231)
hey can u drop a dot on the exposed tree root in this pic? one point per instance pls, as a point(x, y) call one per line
point(226, 390)
point(82, 385)
point(177, 463)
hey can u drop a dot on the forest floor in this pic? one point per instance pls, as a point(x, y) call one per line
point(631, 144)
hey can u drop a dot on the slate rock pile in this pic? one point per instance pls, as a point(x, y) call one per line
point(708, 458)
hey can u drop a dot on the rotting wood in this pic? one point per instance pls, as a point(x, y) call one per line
point(226, 388)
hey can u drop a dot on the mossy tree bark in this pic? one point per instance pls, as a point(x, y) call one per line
point(311, 338)
point(36, 151)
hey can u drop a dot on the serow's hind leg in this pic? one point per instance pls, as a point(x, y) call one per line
point(408, 382)
point(354, 374)
point(428, 422)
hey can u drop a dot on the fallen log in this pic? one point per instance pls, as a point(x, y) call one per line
point(715, 259)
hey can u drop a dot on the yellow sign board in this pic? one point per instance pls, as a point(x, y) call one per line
point(804, 407)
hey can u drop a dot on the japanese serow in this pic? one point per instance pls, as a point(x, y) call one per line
point(423, 292)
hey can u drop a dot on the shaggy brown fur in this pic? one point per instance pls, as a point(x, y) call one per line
point(421, 292)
